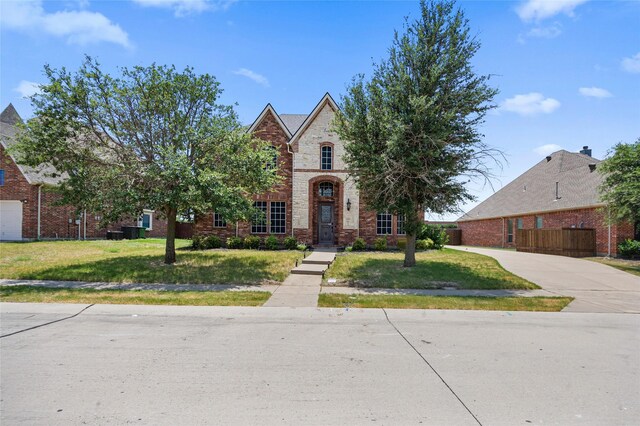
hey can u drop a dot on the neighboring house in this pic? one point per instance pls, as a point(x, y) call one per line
point(316, 202)
point(561, 191)
point(28, 199)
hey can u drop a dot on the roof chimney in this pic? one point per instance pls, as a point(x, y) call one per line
point(586, 151)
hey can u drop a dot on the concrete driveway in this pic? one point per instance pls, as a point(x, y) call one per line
point(160, 365)
point(596, 287)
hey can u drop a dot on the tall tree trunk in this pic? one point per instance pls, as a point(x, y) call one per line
point(410, 251)
point(170, 247)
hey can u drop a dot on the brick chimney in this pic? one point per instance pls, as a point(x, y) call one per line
point(586, 151)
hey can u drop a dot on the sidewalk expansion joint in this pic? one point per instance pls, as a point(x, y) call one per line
point(431, 367)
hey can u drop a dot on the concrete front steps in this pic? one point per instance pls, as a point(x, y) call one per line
point(315, 264)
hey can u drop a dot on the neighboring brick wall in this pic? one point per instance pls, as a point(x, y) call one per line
point(492, 233)
point(16, 187)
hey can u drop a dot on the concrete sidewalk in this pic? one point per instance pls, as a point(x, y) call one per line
point(419, 292)
point(595, 287)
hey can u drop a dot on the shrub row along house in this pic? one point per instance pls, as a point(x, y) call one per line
point(29, 207)
point(561, 191)
point(316, 202)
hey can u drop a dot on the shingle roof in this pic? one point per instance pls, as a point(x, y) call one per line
point(293, 121)
point(10, 115)
point(39, 175)
point(535, 190)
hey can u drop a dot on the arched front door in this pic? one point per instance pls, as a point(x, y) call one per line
point(326, 223)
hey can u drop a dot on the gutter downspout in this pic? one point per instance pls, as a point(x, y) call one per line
point(503, 232)
point(292, 186)
point(609, 230)
point(39, 208)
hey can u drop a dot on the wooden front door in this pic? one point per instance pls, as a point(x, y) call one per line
point(325, 223)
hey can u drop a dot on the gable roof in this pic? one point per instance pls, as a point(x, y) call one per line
point(293, 121)
point(326, 99)
point(269, 109)
point(535, 190)
point(8, 132)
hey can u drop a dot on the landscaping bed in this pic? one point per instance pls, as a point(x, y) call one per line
point(434, 269)
point(141, 261)
point(132, 297)
point(542, 304)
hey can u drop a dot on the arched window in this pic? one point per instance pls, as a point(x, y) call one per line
point(326, 189)
point(326, 157)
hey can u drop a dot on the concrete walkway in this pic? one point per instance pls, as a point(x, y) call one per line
point(301, 288)
point(595, 287)
point(420, 292)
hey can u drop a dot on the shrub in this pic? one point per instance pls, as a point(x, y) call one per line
point(435, 234)
point(359, 245)
point(234, 242)
point(301, 247)
point(348, 249)
point(271, 243)
point(402, 244)
point(211, 242)
point(197, 242)
point(426, 244)
point(629, 248)
point(290, 243)
point(380, 244)
point(252, 242)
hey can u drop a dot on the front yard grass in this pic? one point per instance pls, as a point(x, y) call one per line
point(543, 304)
point(630, 266)
point(434, 269)
point(141, 261)
point(132, 297)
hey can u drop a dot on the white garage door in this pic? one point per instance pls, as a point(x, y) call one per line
point(10, 220)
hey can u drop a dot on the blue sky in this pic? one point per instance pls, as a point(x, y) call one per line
point(568, 71)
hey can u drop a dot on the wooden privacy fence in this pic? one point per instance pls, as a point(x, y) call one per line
point(455, 236)
point(572, 242)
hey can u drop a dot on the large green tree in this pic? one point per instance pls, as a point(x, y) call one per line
point(620, 188)
point(150, 138)
point(411, 130)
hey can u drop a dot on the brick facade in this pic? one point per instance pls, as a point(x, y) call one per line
point(494, 232)
point(56, 221)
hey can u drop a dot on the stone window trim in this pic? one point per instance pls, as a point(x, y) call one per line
point(324, 145)
point(219, 221)
point(141, 220)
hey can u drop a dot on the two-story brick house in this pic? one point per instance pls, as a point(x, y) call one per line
point(317, 202)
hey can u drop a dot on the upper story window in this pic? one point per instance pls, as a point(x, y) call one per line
point(326, 189)
point(326, 157)
point(1, 177)
point(273, 160)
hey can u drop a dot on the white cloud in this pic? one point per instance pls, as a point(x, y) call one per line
point(551, 31)
point(187, 7)
point(77, 27)
point(547, 149)
point(258, 78)
point(631, 64)
point(27, 88)
point(530, 104)
point(594, 92)
point(537, 10)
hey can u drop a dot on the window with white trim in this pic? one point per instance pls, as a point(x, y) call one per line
point(146, 220)
point(400, 225)
point(259, 222)
point(383, 224)
point(326, 157)
point(219, 221)
point(278, 217)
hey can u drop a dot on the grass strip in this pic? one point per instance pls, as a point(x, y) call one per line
point(542, 304)
point(132, 297)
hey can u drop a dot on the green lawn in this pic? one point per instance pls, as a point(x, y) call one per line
point(630, 266)
point(544, 304)
point(133, 297)
point(434, 269)
point(141, 261)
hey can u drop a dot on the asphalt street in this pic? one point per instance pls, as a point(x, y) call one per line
point(151, 365)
